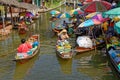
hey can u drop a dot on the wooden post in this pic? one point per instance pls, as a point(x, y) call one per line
point(3, 21)
point(5, 8)
point(74, 4)
point(11, 15)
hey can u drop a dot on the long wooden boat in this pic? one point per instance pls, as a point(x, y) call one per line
point(6, 30)
point(114, 57)
point(66, 53)
point(82, 49)
point(36, 36)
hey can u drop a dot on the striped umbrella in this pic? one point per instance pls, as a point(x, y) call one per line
point(64, 15)
point(54, 12)
point(90, 22)
point(96, 6)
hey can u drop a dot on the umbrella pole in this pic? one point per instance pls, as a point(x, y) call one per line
point(94, 40)
point(104, 38)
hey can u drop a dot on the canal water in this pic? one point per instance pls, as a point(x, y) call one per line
point(47, 65)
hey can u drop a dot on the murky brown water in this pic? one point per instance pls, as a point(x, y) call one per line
point(47, 65)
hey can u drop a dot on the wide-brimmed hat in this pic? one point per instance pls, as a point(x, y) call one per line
point(63, 31)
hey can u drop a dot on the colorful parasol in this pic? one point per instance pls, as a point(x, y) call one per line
point(29, 14)
point(88, 1)
point(112, 13)
point(64, 15)
point(96, 6)
point(90, 15)
point(100, 18)
point(89, 22)
point(54, 12)
point(78, 12)
point(117, 27)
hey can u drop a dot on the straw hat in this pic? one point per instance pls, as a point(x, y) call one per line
point(63, 31)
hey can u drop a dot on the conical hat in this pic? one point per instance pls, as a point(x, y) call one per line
point(63, 31)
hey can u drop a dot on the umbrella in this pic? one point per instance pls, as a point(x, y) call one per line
point(100, 18)
point(64, 15)
point(89, 22)
point(117, 27)
point(96, 6)
point(29, 14)
point(112, 13)
point(78, 12)
point(53, 12)
point(88, 1)
point(91, 15)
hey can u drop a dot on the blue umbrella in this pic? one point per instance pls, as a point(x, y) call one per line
point(54, 12)
point(64, 15)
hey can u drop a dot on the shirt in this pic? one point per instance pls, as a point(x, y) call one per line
point(23, 48)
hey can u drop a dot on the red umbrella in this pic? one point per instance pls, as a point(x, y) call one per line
point(96, 6)
point(88, 1)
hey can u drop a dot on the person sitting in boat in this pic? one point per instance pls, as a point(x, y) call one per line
point(35, 43)
point(23, 48)
point(63, 44)
point(63, 35)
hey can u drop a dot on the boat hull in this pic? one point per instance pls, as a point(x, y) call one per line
point(30, 56)
point(64, 55)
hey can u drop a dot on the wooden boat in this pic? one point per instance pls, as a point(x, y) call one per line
point(56, 27)
point(22, 29)
point(56, 30)
point(6, 30)
point(114, 57)
point(65, 53)
point(82, 49)
point(33, 53)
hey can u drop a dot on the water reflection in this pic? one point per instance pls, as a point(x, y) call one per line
point(93, 64)
point(22, 69)
point(65, 65)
